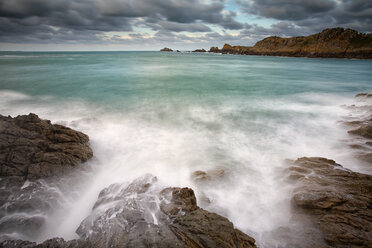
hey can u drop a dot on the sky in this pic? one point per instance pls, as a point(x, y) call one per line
point(133, 25)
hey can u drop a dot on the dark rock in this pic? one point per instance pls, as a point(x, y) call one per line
point(199, 51)
point(360, 119)
point(365, 130)
point(363, 95)
point(166, 49)
point(338, 200)
point(51, 243)
point(213, 174)
point(32, 148)
point(329, 43)
point(140, 215)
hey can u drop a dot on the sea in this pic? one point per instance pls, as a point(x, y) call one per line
point(238, 118)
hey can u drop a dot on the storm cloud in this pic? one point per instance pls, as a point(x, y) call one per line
point(158, 22)
point(314, 15)
point(43, 18)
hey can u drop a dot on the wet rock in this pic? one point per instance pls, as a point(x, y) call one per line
point(365, 130)
point(51, 243)
point(361, 134)
point(202, 176)
point(363, 95)
point(338, 200)
point(32, 148)
point(142, 215)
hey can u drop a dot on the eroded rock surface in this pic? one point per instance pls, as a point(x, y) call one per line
point(360, 123)
point(338, 200)
point(32, 148)
point(142, 214)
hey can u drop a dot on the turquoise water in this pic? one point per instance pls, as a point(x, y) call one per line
point(170, 114)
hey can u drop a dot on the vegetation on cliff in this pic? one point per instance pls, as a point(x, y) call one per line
point(330, 43)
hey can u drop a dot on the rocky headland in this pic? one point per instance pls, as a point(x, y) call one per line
point(329, 43)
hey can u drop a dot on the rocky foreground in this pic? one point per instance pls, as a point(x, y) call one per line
point(137, 215)
point(32, 148)
point(330, 43)
point(336, 201)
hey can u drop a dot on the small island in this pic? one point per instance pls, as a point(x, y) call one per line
point(166, 49)
point(330, 43)
point(199, 51)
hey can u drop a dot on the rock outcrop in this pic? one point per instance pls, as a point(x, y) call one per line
point(338, 200)
point(199, 51)
point(32, 148)
point(360, 122)
point(142, 215)
point(330, 43)
point(166, 49)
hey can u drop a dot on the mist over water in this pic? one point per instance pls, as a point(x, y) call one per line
point(173, 114)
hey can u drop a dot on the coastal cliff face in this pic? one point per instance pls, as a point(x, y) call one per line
point(330, 43)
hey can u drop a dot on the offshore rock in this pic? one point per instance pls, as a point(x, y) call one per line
point(338, 200)
point(199, 51)
point(166, 49)
point(32, 148)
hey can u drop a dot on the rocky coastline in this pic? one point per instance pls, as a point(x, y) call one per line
point(336, 201)
point(329, 43)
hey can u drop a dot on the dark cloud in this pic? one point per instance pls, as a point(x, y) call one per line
point(45, 18)
point(314, 15)
point(287, 9)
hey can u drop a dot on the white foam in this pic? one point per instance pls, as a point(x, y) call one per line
point(249, 138)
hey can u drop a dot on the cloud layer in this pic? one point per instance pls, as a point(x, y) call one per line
point(159, 22)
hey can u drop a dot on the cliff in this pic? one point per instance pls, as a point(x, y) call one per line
point(330, 43)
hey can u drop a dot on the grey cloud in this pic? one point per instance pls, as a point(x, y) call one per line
point(179, 27)
point(37, 16)
point(287, 9)
point(315, 15)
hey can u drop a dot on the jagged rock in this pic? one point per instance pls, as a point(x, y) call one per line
point(338, 200)
point(32, 148)
point(141, 215)
point(166, 49)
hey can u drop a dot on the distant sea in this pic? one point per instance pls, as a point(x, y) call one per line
point(170, 114)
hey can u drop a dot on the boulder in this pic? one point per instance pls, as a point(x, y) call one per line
point(141, 215)
point(32, 148)
point(338, 200)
